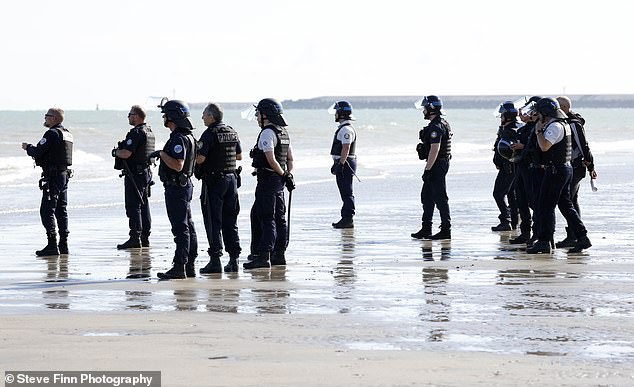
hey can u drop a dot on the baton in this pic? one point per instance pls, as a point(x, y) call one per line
point(288, 222)
point(352, 170)
point(136, 188)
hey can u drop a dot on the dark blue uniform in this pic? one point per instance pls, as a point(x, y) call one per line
point(219, 195)
point(505, 178)
point(139, 141)
point(268, 214)
point(523, 184)
point(345, 173)
point(54, 154)
point(178, 195)
point(434, 191)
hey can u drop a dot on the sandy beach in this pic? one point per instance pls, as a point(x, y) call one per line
point(368, 306)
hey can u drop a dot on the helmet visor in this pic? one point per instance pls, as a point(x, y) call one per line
point(333, 109)
point(249, 113)
point(528, 109)
point(419, 103)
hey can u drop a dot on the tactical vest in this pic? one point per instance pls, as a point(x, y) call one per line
point(60, 155)
point(445, 142)
point(561, 152)
point(337, 145)
point(141, 155)
point(167, 174)
point(222, 156)
point(280, 151)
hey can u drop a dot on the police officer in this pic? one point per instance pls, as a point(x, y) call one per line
point(219, 148)
point(177, 165)
point(273, 161)
point(582, 159)
point(435, 147)
point(132, 158)
point(554, 141)
point(523, 177)
point(345, 161)
point(54, 154)
point(503, 159)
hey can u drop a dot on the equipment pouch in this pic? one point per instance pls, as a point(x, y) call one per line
point(182, 179)
point(238, 178)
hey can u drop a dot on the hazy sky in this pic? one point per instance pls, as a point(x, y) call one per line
point(79, 53)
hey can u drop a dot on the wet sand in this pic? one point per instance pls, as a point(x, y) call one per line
point(368, 306)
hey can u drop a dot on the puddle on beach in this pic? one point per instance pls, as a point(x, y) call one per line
point(444, 295)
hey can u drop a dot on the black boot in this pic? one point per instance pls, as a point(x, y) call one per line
point(344, 223)
point(522, 238)
point(261, 261)
point(423, 233)
point(145, 240)
point(232, 265)
point(63, 244)
point(278, 258)
point(190, 270)
point(569, 241)
point(50, 248)
point(214, 266)
point(176, 272)
point(503, 226)
point(539, 247)
point(133, 243)
point(582, 244)
point(444, 233)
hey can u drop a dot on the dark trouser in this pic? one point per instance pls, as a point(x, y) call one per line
point(268, 215)
point(434, 194)
point(220, 206)
point(503, 188)
point(536, 180)
point(344, 183)
point(523, 190)
point(137, 210)
point(555, 190)
point(54, 201)
point(177, 202)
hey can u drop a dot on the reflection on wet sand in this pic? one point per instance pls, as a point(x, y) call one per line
point(428, 246)
point(56, 271)
point(267, 300)
point(344, 272)
point(140, 264)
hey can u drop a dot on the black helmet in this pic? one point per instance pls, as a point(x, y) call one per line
point(430, 104)
point(177, 112)
point(273, 111)
point(505, 150)
point(343, 109)
point(549, 107)
point(507, 111)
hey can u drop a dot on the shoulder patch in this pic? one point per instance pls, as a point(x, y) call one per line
point(43, 141)
point(129, 142)
point(346, 136)
point(265, 143)
point(433, 134)
point(178, 149)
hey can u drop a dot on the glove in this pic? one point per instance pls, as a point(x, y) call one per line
point(337, 168)
point(114, 152)
point(426, 175)
point(155, 154)
point(289, 181)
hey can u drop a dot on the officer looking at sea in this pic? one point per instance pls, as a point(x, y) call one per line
point(177, 165)
point(504, 181)
point(582, 159)
point(54, 154)
point(555, 143)
point(219, 148)
point(132, 157)
point(345, 160)
point(273, 162)
point(435, 147)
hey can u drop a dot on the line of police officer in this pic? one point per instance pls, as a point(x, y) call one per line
point(541, 152)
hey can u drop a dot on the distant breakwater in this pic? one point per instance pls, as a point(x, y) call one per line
point(450, 102)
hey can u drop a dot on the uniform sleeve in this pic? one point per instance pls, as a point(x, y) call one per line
point(435, 134)
point(554, 133)
point(50, 137)
point(177, 148)
point(204, 144)
point(346, 135)
point(268, 141)
point(238, 148)
point(132, 141)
